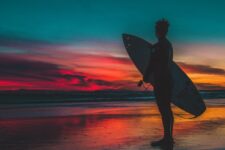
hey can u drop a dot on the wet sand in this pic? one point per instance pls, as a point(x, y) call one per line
point(106, 126)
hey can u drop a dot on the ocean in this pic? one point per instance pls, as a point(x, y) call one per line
point(110, 125)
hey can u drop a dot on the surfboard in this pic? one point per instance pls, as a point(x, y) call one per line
point(184, 93)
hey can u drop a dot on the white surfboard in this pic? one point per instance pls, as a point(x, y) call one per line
point(184, 93)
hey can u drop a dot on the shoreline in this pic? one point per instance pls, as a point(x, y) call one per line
point(44, 110)
point(122, 126)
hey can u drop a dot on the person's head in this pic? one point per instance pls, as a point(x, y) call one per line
point(161, 28)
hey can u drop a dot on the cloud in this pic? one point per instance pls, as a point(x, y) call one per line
point(100, 82)
point(202, 69)
point(11, 67)
point(208, 86)
point(42, 61)
point(11, 42)
point(43, 74)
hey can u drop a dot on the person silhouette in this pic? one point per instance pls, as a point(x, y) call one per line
point(159, 66)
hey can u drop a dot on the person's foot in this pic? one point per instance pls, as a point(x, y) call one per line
point(163, 142)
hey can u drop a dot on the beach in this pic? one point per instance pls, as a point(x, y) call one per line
point(107, 126)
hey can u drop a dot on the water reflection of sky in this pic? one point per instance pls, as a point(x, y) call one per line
point(116, 128)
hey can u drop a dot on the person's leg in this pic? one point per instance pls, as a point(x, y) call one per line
point(167, 119)
point(163, 103)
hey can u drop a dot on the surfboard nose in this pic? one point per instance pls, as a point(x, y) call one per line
point(126, 36)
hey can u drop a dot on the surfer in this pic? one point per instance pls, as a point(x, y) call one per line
point(161, 57)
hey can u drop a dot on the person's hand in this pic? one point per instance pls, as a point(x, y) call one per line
point(145, 79)
point(140, 83)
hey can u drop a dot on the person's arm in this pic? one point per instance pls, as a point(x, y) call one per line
point(148, 71)
point(150, 66)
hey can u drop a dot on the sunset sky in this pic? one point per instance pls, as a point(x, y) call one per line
point(77, 45)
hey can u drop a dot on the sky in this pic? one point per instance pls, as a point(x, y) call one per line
point(77, 45)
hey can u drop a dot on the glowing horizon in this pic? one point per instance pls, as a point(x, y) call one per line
point(76, 45)
point(52, 67)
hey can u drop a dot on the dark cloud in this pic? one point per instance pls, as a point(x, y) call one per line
point(100, 82)
point(71, 76)
point(11, 67)
point(10, 63)
point(209, 86)
point(13, 40)
point(204, 69)
point(12, 43)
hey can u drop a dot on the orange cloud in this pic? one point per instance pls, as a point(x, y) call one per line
point(202, 69)
point(204, 76)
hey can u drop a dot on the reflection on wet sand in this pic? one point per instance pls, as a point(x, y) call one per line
point(121, 128)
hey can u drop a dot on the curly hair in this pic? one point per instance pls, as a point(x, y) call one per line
point(162, 26)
